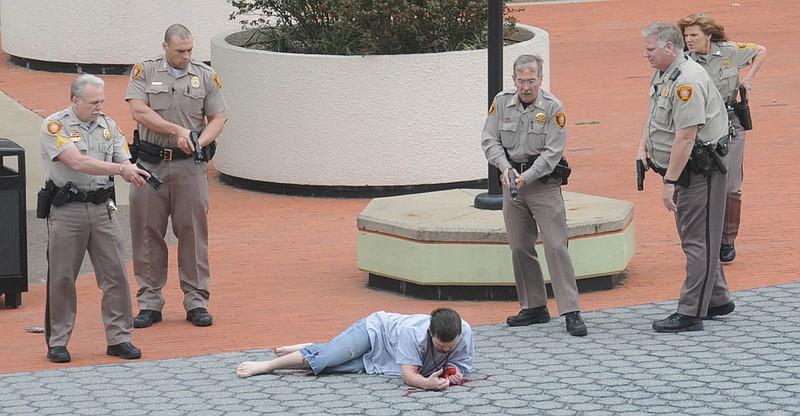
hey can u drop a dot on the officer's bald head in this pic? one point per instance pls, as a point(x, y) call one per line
point(177, 31)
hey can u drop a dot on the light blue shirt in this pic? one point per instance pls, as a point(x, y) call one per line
point(403, 339)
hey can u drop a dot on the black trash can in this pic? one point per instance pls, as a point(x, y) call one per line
point(13, 224)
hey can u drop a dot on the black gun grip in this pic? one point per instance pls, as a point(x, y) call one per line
point(198, 151)
point(512, 183)
point(153, 180)
point(640, 175)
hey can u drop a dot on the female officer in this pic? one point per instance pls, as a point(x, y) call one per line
point(722, 59)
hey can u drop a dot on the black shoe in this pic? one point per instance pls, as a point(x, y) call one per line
point(727, 253)
point(199, 317)
point(575, 325)
point(58, 355)
point(720, 310)
point(525, 317)
point(124, 350)
point(146, 317)
point(678, 323)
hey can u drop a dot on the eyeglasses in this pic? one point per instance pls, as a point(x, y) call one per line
point(530, 82)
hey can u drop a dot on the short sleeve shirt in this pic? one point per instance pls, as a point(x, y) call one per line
point(519, 133)
point(403, 339)
point(723, 64)
point(102, 140)
point(186, 99)
point(683, 96)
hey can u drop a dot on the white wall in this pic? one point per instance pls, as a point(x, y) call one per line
point(385, 120)
point(107, 31)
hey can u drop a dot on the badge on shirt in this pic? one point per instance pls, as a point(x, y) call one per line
point(492, 108)
point(106, 134)
point(541, 118)
point(684, 92)
point(136, 71)
point(61, 140)
point(561, 119)
point(726, 63)
point(216, 80)
point(665, 92)
point(53, 127)
point(195, 82)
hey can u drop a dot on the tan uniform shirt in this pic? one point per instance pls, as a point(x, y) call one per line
point(525, 132)
point(723, 64)
point(102, 140)
point(184, 100)
point(691, 99)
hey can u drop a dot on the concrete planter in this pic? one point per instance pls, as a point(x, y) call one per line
point(106, 32)
point(346, 123)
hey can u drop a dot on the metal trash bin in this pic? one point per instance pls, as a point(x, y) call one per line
point(13, 224)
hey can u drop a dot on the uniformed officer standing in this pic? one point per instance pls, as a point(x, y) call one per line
point(171, 96)
point(709, 46)
point(82, 148)
point(525, 132)
point(685, 107)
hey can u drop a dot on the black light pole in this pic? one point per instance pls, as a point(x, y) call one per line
point(494, 199)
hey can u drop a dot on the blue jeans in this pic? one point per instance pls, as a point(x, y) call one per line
point(342, 354)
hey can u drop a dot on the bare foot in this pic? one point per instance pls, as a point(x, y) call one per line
point(252, 368)
point(281, 351)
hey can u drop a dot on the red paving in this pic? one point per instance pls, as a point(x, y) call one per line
point(284, 268)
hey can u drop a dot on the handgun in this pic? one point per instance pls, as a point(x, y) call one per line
point(153, 180)
point(512, 184)
point(198, 151)
point(640, 175)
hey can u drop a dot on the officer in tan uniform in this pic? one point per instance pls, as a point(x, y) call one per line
point(525, 132)
point(82, 148)
point(171, 96)
point(685, 107)
point(709, 46)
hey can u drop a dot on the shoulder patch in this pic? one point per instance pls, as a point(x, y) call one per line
point(216, 80)
point(136, 71)
point(493, 107)
point(561, 119)
point(684, 92)
point(53, 127)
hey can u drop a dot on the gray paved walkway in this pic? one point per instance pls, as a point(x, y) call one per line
point(747, 363)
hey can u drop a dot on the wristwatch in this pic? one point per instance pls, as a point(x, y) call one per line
point(669, 181)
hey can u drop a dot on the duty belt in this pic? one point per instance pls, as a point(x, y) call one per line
point(522, 167)
point(162, 153)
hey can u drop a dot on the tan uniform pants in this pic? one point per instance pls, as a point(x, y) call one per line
point(699, 221)
point(733, 204)
point(540, 206)
point(183, 197)
point(74, 229)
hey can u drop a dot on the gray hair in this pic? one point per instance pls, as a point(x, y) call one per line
point(79, 85)
point(528, 61)
point(177, 30)
point(665, 32)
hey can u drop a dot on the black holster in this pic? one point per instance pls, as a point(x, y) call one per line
point(742, 109)
point(134, 148)
point(44, 200)
point(561, 171)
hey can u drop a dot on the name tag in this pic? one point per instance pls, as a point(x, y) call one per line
point(156, 83)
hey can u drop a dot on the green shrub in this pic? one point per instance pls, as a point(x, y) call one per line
point(365, 27)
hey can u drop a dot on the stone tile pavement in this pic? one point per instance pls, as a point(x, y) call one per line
point(747, 363)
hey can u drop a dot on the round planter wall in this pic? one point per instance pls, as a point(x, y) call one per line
point(106, 31)
point(357, 121)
